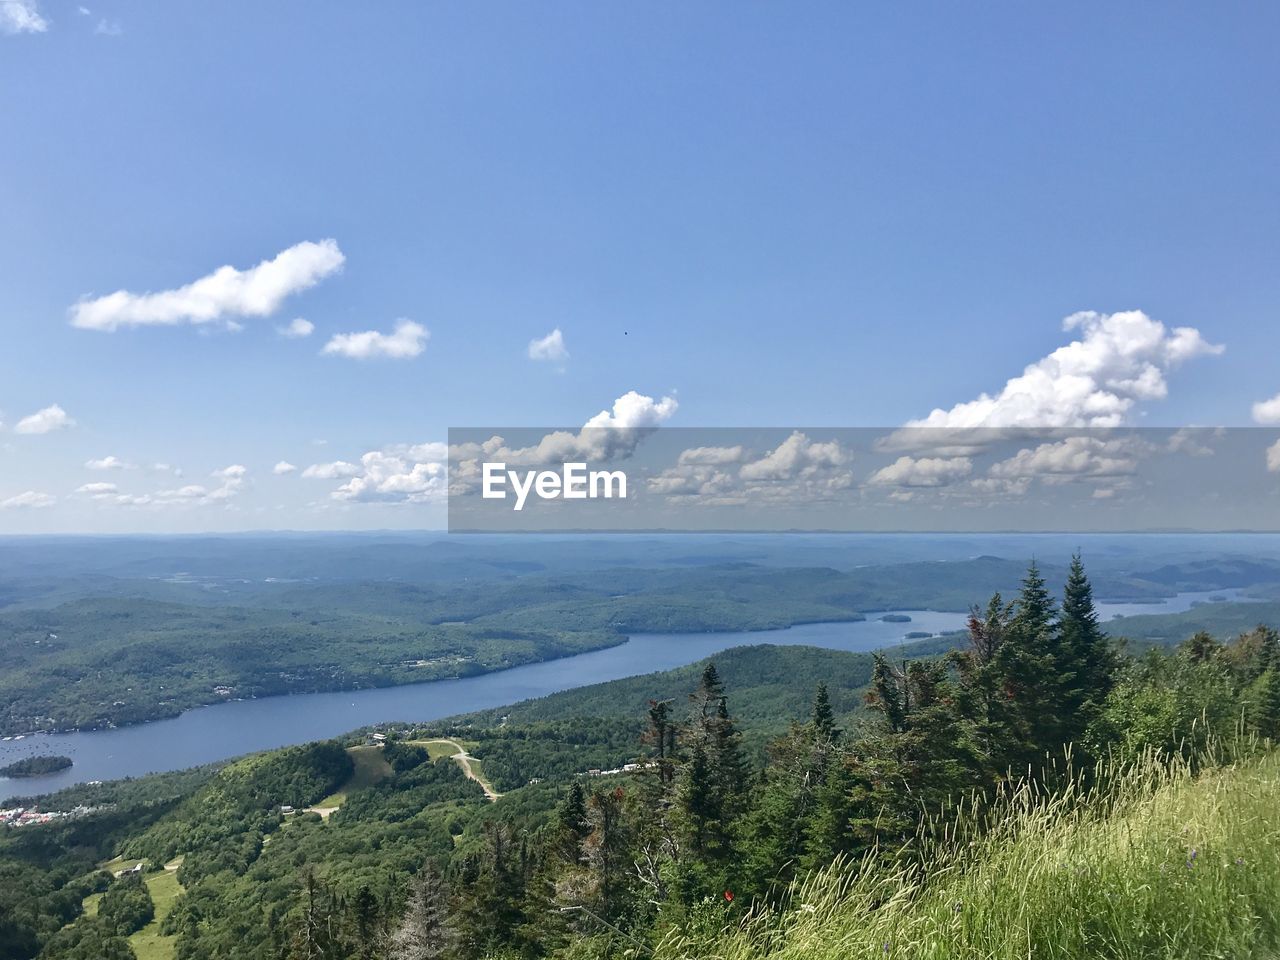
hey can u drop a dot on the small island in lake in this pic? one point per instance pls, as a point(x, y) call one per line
point(895, 618)
point(918, 635)
point(35, 766)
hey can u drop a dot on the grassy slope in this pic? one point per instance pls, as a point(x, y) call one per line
point(1178, 868)
point(370, 767)
point(149, 943)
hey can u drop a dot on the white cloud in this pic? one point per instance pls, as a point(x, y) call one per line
point(98, 490)
point(1273, 457)
point(21, 16)
point(922, 472)
point(109, 28)
point(297, 329)
point(797, 470)
point(795, 456)
point(45, 421)
point(108, 463)
point(283, 467)
point(408, 340)
point(712, 455)
point(1073, 457)
point(1267, 412)
point(330, 471)
point(222, 295)
point(414, 474)
point(550, 348)
point(30, 500)
point(1119, 360)
point(194, 494)
point(1195, 441)
point(1016, 487)
point(611, 434)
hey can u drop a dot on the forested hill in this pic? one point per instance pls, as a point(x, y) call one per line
point(668, 806)
point(135, 657)
point(772, 686)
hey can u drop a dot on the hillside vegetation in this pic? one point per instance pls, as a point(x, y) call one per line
point(782, 801)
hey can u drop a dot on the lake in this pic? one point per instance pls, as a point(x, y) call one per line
point(230, 729)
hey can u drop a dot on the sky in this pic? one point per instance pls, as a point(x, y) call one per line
point(256, 259)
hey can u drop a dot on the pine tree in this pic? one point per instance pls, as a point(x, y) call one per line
point(983, 695)
point(1034, 676)
point(786, 804)
point(823, 721)
point(1087, 664)
point(366, 924)
point(715, 776)
point(1202, 648)
point(1262, 704)
point(571, 826)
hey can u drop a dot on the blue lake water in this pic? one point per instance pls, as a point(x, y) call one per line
point(226, 730)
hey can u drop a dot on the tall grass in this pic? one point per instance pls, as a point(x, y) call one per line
point(1161, 864)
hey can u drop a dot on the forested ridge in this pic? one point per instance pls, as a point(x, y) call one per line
point(737, 800)
point(129, 651)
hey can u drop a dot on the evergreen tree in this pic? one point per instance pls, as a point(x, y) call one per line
point(1201, 648)
point(572, 827)
point(786, 804)
point(713, 779)
point(1086, 663)
point(1035, 676)
point(490, 904)
point(366, 924)
point(823, 720)
point(1262, 702)
point(983, 695)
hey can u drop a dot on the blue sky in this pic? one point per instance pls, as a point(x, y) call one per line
point(817, 214)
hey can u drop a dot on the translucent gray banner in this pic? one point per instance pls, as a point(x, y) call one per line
point(862, 479)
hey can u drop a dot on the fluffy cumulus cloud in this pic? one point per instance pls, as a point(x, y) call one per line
point(21, 16)
point(1117, 361)
point(45, 421)
point(1273, 457)
point(550, 348)
point(297, 328)
point(222, 295)
point(402, 474)
point(610, 435)
point(799, 469)
point(1077, 457)
point(29, 500)
point(797, 456)
point(1267, 412)
point(407, 340)
point(922, 472)
point(283, 467)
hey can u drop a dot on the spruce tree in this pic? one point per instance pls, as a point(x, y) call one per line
point(823, 722)
point(1034, 675)
point(1262, 704)
point(1087, 665)
point(571, 826)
